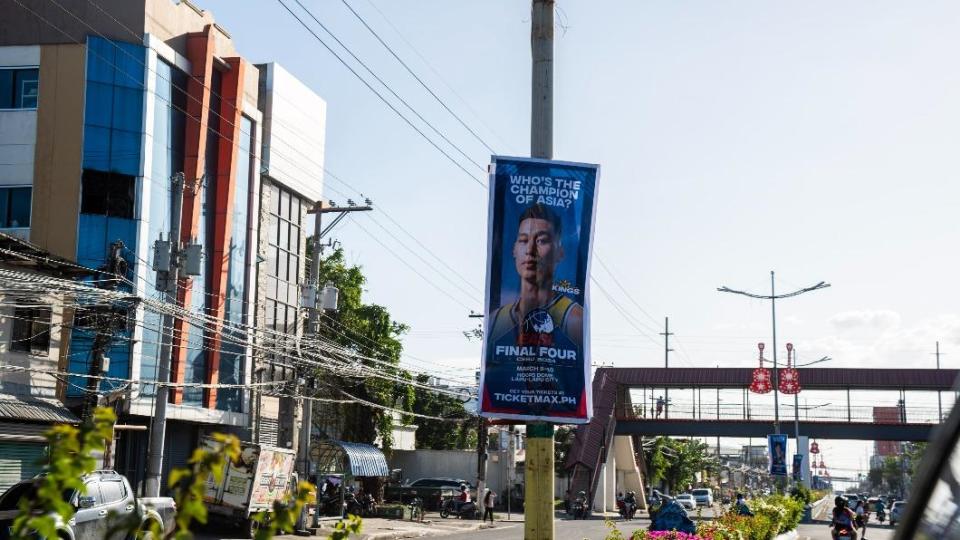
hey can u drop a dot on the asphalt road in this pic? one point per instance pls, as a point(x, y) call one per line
point(596, 529)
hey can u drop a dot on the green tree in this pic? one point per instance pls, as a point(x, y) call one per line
point(442, 434)
point(369, 331)
point(562, 442)
point(676, 461)
point(892, 473)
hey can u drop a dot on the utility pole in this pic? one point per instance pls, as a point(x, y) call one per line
point(666, 363)
point(939, 396)
point(169, 259)
point(314, 307)
point(482, 442)
point(104, 321)
point(539, 473)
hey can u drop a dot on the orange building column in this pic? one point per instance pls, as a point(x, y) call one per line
point(231, 105)
point(200, 53)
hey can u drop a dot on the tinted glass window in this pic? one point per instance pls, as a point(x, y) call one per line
point(112, 492)
point(15, 206)
point(19, 88)
point(107, 194)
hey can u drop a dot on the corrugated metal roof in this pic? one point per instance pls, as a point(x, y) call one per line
point(363, 459)
point(32, 409)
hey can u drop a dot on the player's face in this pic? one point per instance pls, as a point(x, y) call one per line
point(536, 251)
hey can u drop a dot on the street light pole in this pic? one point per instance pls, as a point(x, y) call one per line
point(773, 297)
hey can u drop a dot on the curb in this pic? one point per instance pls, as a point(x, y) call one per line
point(792, 535)
point(419, 533)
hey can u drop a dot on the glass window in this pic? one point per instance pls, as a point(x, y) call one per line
point(285, 205)
point(107, 194)
point(283, 238)
point(15, 206)
point(112, 492)
point(19, 88)
point(31, 330)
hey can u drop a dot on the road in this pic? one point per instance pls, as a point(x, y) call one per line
point(596, 529)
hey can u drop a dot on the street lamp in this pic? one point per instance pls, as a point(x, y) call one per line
point(773, 297)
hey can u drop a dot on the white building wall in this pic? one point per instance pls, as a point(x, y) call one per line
point(18, 131)
point(294, 131)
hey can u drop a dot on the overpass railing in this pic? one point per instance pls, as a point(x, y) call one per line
point(753, 412)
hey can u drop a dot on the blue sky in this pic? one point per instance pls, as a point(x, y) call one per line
point(818, 139)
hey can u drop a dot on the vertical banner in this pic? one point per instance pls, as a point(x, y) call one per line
point(797, 467)
point(536, 339)
point(777, 447)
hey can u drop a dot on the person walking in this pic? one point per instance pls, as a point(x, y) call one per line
point(489, 500)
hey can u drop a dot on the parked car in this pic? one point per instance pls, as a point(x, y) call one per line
point(432, 491)
point(852, 500)
point(896, 511)
point(108, 503)
point(687, 501)
point(703, 496)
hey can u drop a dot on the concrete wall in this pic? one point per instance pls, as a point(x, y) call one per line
point(58, 161)
point(294, 131)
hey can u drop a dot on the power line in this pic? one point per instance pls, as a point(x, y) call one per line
point(378, 94)
point(415, 76)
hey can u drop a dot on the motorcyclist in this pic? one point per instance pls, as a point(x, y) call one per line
point(842, 518)
point(581, 505)
point(462, 498)
point(740, 506)
point(630, 502)
point(881, 511)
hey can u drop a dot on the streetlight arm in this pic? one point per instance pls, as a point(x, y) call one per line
point(821, 285)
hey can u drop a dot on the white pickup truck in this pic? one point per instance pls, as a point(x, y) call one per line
point(107, 505)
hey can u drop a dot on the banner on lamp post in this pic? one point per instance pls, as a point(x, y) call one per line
point(777, 447)
point(797, 467)
point(536, 339)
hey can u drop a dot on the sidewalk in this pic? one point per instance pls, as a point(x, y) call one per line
point(432, 525)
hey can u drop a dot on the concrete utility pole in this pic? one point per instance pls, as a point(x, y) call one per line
point(167, 264)
point(539, 474)
point(666, 363)
point(313, 330)
point(939, 396)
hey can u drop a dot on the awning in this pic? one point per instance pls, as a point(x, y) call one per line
point(32, 409)
point(332, 456)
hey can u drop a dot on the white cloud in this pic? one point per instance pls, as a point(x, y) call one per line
point(910, 346)
point(881, 319)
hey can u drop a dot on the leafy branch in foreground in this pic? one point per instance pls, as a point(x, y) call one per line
point(284, 515)
point(189, 483)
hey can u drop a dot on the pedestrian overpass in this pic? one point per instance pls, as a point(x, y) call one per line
point(625, 408)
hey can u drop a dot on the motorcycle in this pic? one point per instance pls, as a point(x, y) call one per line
point(580, 508)
point(463, 510)
point(845, 533)
point(351, 504)
point(368, 505)
point(881, 516)
point(416, 508)
point(626, 509)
